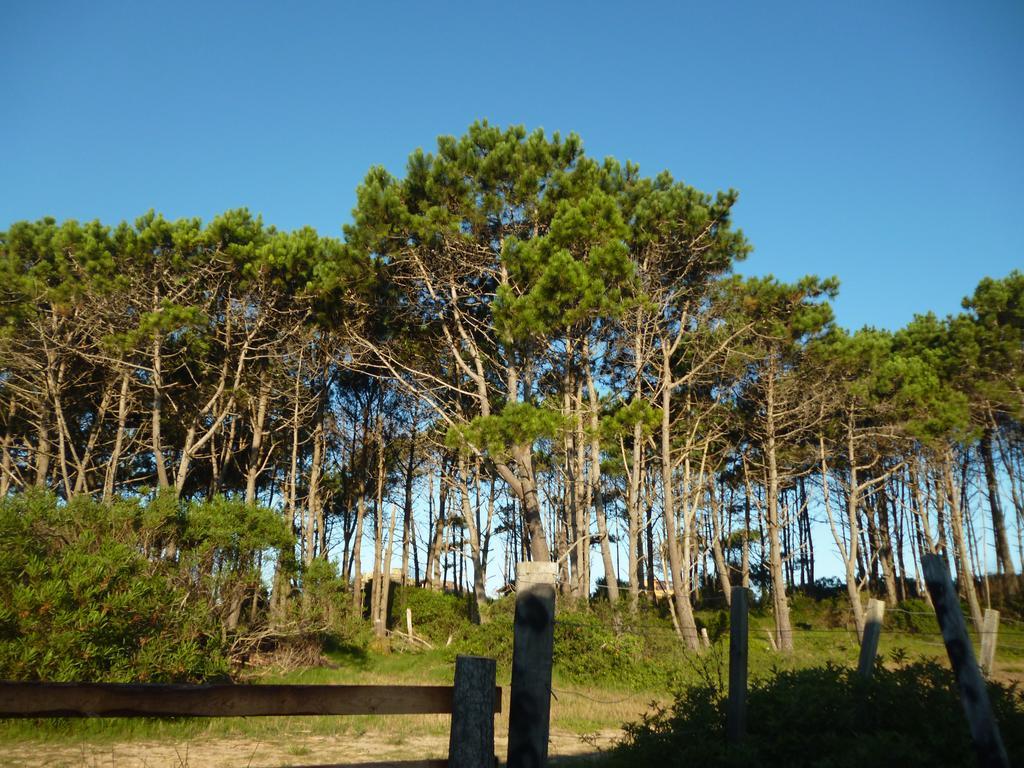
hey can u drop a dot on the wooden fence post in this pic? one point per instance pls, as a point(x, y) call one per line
point(869, 644)
point(736, 717)
point(988, 744)
point(532, 647)
point(471, 742)
point(989, 635)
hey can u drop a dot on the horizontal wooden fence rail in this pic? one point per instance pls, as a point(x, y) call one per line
point(42, 700)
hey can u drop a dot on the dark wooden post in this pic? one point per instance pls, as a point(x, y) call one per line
point(532, 647)
point(736, 717)
point(869, 643)
point(973, 694)
point(471, 743)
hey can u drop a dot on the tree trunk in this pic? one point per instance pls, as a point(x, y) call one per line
point(884, 544)
point(407, 521)
point(965, 573)
point(479, 566)
point(378, 539)
point(783, 628)
point(716, 543)
point(610, 577)
point(680, 577)
point(255, 466)
point(156, 414)
point(1004, 558)
point(110, 476)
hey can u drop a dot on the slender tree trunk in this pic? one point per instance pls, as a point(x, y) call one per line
point(475, 550)
point(847, 551)
point(43, 450)
point(378, 539)
point(783, 628)
point(611, 578)
point(6, 471)
point(1004, 558)
point(255, 466)
point(156, 413)
point(881, 505)
point(716, 543)
point(633, 516)
point(963, 558)
point(434, 558)
point(407, 521)
point(357, 548)
point(110, 476)
point(680, 578)
point(313, 508)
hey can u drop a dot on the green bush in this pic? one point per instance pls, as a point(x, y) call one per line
point(327, 604)
point(435, 615)
point(80, 599)
point(603, 645)
point(914, 616)
point(825, 716)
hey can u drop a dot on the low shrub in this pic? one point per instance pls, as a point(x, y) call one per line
point(436, 615)
point(914, 616)
point(825, 716)
point(81, 601)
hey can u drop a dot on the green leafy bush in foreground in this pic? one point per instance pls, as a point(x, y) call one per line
point(80, 599)
point(825, 716)
point(147, 589)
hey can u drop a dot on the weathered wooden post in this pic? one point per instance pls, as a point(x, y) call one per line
point(869, 643)
point(988, 744)
point(989, 635)
point(736, 717)
point(471, 742)
point(532, 647)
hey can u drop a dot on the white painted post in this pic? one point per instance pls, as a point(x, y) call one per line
point(872, 632)
point(989, 635)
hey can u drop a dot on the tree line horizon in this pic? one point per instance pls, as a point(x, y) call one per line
point(515, 344)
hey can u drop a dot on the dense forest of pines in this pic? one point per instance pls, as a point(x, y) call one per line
point(516, 352)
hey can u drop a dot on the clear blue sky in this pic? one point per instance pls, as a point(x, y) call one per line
point(882, 142)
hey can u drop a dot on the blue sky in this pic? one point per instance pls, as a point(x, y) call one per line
point(881, 142)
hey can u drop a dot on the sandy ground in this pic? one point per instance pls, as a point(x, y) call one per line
point(370, 747)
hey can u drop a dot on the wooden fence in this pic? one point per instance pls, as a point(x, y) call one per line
point(472, 702)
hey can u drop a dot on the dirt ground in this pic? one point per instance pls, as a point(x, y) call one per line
point(374, 747)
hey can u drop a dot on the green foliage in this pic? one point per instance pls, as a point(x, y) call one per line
point(327, 606)
point(924, 379)
point(996, 322)
point(785, 314)
point(518, 424)
point(579, 269)
point(621, 420)
point(80, 599)
point(436, 615)
point(601, 646)
point(825, 716)
point(89, 591)
point(915, 616)
point(586, 647)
